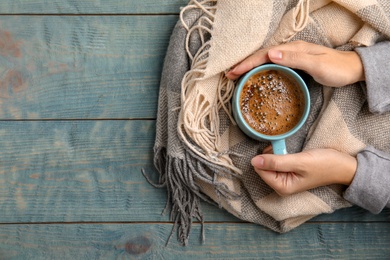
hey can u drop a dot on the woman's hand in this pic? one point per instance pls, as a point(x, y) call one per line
point(327, 66)
point(293, 173)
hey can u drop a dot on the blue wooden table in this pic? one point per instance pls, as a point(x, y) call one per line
point(79, 86)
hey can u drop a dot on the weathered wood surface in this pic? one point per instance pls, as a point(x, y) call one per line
point(224, 241)
point(57, 67)
point(78, 97)
point(90, 171)
point(90, 6)
point(80, 171)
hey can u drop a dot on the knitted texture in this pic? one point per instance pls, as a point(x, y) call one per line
point(199, 151)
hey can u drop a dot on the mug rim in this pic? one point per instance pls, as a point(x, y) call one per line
point(237, 109)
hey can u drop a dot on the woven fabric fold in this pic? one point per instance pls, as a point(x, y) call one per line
point(199, 151)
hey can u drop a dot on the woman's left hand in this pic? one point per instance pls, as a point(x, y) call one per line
point(293, 173)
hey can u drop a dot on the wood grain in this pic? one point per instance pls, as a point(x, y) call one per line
point(223, 241)
point(79, 86)
point(90, 171)
point(56, 67)
point(90, 6)
point(80, 171)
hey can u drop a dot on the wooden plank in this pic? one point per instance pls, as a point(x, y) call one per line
point(87, 171)
point(223, 241)
point(66, 67)
point(352, 214)
point(90, 171)
point(90, 6)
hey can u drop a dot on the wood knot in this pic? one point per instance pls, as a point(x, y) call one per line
point(138, 246)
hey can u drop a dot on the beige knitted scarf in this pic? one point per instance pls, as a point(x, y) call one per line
point(200, 152)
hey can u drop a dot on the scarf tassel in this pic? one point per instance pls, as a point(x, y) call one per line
point(183, 193)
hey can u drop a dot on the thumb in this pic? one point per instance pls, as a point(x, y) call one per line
point(278, 172)
point(296, 60)
point(277, 163)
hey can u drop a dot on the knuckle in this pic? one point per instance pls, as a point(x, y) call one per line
point(273, 164)
point(294, 57)
point(283, 190)
point(305, 161)
point(300, 45)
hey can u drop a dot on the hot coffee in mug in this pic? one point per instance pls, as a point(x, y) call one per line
point(271, 102)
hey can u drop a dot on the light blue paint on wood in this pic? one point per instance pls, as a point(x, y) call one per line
point(90, 6)
point(223, 241)
point(56, 67)
point(70, 161)
point(90, 171)
point(81, 171)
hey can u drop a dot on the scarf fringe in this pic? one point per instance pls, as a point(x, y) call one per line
point(200, 117)
point(301, 13)
point(184, 194)
point(194, 159)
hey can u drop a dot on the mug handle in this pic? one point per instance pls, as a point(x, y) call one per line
point(279, 146)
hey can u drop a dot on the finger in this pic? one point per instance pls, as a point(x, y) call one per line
point(262, 56)
point(283, 183)
point(268, 150)
point(258, 58)
point(303, 47)
point(278, 163)
point(269, 177)
point(296, 60)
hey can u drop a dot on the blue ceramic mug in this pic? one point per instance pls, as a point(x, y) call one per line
point(277, 141)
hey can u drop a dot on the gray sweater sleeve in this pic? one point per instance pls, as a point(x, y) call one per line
point(376, 68)
point(370, 188)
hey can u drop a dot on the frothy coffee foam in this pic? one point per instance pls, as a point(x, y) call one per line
point(271, 102)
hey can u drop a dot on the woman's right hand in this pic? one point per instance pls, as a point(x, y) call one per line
point(327, 66)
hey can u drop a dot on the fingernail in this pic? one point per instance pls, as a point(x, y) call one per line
point(275, 54)
point(258, 162)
